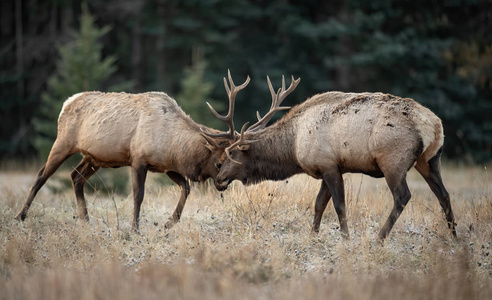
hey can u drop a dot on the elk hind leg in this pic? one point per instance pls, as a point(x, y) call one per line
point(334, 181)
point(139, 174)
point(58, 154)
point(80, 175)
point(431, 172)
point(322, 200)
point(401, 195)
point(185, 191)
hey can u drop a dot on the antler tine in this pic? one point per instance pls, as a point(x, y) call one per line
point(229, 118)
point(277, 99)
point(293, 84)
point(228, 91)
point(282, 94)
point(272, 92)
point(274, 98)
point(236, 143)
point(240, 141)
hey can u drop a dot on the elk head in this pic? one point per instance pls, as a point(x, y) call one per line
point(239, 163)
point(217, 142)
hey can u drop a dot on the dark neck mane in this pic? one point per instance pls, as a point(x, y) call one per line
point(273, 156)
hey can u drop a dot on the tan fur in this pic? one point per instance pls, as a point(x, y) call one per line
point(148, 132)
point(356, 130)
point(334, 133)
point(117, 129)
point(430, 128)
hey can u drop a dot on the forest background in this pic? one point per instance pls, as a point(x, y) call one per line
point(437, 52)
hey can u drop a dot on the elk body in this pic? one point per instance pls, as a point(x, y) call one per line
point(334, 133)
point(148, 132)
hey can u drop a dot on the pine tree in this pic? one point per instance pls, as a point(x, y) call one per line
point(81, 68)
point(195, 91)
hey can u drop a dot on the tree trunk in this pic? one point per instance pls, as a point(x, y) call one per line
point(19, 50)
point(344, 50)
point(161, 55)
point(137, 64)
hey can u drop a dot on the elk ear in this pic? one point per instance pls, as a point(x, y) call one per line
point(211, 144)
point(243, 147)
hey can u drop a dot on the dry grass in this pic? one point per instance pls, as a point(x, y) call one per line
point(254, 242)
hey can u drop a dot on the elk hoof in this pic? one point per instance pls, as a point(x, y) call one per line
point(20, 216)
point(169, 224)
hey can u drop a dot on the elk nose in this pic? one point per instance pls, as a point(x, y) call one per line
point(221, 184)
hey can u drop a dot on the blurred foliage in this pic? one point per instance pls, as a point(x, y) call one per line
point(195, 91)
point(437, 52)
point(80, 68)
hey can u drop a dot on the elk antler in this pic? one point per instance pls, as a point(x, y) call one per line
point(276, 101)
point(229, 118)
point(240, 142)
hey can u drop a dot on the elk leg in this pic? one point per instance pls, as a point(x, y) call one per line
point(321, 202)
point(80, 175)
point(334, 181)
point(185, 191)
point(57, 156)
point(431, 172)
point(401, 195)
point(139, 174)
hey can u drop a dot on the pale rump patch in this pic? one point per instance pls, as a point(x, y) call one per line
point(430, 129)
point(67, 102)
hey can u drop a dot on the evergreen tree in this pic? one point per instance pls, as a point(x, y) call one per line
point(81, 68)
point(195, 91)
point(437, 52)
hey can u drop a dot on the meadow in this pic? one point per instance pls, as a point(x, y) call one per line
point(250, 242)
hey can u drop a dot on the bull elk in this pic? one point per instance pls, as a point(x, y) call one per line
point(148, 132)
point(335, 133)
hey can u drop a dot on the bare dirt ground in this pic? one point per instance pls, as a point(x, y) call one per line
point(251, 242)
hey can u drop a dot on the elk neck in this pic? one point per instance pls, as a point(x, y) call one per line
point(273, 155)
point(194, 154)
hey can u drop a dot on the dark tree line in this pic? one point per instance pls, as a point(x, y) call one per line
point(437, 52)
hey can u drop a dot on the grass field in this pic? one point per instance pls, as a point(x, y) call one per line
point(251, 243)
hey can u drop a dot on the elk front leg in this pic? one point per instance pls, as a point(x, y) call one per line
point(334, 181)
point(322, 200)
point(139, 174)
point(185, 191)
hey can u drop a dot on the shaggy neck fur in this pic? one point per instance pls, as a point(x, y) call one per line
point(194, 154)
point(273, 156)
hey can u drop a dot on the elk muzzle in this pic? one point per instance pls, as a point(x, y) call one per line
point(221, 184)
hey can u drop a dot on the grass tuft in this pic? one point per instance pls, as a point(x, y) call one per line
point(247, 242)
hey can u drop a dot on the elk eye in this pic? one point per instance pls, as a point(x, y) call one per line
point(218, 165)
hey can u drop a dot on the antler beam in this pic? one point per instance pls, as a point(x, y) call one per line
point(229, 118)
point(277, 99)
